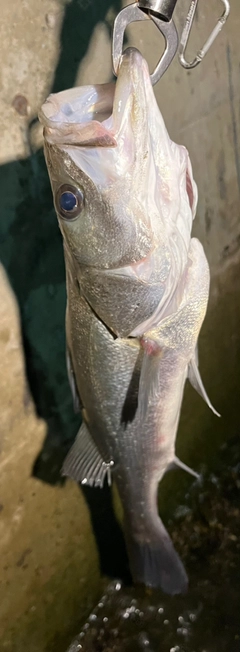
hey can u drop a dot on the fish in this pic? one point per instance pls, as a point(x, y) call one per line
point(137, 293)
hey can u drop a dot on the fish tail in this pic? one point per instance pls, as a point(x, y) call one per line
point(155, 563)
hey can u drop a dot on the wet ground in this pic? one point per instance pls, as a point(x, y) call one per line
point(206, 532)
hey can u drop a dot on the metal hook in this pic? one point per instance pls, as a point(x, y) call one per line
point(132, 13)
point(186, 33)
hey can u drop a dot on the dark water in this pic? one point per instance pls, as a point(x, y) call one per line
point(206, 531)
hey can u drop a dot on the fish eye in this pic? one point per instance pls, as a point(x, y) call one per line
point(69, 201)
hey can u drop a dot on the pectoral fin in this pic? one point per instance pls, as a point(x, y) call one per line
point(84, 463)
point(72, 382)
point(196, 382)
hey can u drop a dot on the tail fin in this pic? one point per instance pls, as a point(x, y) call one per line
point(157, 563)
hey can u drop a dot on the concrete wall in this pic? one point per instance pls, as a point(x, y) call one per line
point(49, 559)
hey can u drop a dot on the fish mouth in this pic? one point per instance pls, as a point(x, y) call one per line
point(75, 117)
point(93, 116)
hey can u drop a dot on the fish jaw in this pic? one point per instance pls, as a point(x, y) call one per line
point(137, 183)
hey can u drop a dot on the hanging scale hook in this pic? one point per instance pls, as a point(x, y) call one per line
point(160, 12)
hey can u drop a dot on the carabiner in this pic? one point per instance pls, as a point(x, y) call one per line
point(186, 33)
point(133, 13)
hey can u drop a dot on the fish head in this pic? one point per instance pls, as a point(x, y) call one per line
point(120, 185)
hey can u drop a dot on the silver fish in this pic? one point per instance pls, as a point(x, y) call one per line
point(137, 292)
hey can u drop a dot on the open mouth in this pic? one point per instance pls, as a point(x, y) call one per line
point(80, 117)
point(79, 105)
point(94, 115)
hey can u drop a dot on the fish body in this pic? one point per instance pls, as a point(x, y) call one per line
point(137, 292)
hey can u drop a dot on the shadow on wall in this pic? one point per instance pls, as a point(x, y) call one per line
point(31, 251)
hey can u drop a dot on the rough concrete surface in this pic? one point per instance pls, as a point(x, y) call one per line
point(43, 529)
point(53, 537)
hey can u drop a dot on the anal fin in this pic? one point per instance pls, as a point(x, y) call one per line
point(84, 463)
